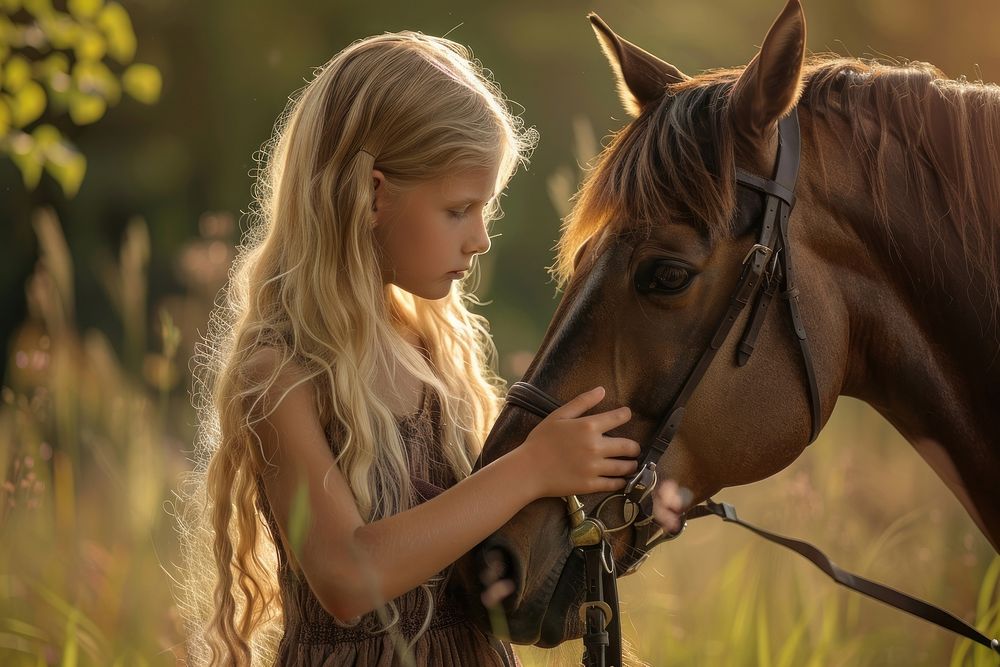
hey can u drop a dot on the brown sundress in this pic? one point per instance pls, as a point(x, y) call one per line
point(314, 638)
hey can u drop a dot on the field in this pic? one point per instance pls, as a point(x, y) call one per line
point(93, 438)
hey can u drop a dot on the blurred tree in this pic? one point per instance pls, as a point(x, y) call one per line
point(60, 69)
point(53, 61)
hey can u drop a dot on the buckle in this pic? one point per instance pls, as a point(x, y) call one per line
point(641, 482)
point(634, 567)
point(757, 247)
point(606, 614)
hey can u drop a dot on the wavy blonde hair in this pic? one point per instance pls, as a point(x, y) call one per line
point(306, 284)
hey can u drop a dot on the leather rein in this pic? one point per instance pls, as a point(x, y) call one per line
point(767, 268)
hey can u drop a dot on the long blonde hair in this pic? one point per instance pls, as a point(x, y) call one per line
point(306, 284)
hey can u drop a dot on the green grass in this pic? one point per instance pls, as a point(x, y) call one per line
point(92, 441)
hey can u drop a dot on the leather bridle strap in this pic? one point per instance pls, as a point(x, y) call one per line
point(872, 589)
point(771, 247)
point(602, 634)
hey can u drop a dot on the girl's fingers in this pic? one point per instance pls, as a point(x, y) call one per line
point(579, 404)
point(605, 421)
point(617, 468)
point(668, 495)
point(623, 447)
point(495, 594)
point(670, 502)
point(494, 568)
point(667, 520)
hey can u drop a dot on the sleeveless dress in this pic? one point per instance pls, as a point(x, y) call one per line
point(314, 638)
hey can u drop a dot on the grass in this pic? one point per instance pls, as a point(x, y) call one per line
point(92, 440)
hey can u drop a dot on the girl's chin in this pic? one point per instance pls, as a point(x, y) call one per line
point(431, 291)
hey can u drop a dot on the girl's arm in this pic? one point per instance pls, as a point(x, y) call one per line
point(352, 567)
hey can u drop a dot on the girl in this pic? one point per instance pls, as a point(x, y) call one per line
point(345, 390)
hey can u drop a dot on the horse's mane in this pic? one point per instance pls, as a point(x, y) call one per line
point(675, 161)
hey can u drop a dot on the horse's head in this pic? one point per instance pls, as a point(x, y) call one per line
point(650, 258)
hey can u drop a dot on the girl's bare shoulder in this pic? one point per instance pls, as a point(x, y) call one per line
point(270, 368)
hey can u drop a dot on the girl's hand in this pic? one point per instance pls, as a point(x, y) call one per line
point(669, 503)
point(568, 454)
point(496, 588)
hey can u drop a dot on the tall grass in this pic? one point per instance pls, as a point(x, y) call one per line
point(93, 434)
point(88, 455)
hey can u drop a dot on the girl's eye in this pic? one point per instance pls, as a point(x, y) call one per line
point(664, 276)
point(456, 214)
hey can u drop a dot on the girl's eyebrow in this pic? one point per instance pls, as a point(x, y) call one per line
point(466, 201)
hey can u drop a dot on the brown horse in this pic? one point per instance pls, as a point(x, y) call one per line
point(897, 249)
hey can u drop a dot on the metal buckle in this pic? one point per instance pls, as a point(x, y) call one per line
point(635, 566)
point(772, 269)
point(642, 481)
point(757, 247)
point(600, 604)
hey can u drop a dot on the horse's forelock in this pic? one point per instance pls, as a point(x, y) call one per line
point(672, 163)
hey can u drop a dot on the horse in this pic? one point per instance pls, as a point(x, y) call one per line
point(897, 259)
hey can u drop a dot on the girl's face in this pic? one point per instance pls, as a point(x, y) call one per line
point(429, 233)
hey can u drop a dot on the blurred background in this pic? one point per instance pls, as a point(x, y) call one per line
point(128, 139)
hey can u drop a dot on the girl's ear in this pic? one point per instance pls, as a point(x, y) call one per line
point(380, 199)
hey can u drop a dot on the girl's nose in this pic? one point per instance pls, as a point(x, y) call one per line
point(479, 241)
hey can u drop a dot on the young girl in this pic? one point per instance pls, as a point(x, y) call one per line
point(345, 389)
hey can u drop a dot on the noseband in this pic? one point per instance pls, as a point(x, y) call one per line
point(766, 267)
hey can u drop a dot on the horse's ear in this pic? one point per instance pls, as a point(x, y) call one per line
point(642, 77)
point(770, 85)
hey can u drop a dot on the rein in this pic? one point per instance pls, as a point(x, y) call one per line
point(767, 268)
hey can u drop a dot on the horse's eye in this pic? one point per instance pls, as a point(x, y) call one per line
point(663, 276)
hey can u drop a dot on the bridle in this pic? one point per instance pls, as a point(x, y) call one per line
point(766, 268)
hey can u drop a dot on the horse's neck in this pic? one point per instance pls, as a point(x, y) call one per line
point(924, 344)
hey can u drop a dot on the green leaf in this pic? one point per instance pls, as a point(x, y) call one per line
point(39, 8)
point(66, 165)
point(54, 71)
point(90, 45)
point(10, 6)
point(17, 73)
point(116, 25)
point(70, 650)
point(61, 30)
point(85, 109)
point(94, 78)
point(84, 9)
point(28, 160)
point(28, 104)
point(298, 519)
point(19, 627)
point(46, 136)
point(54, 63)
point(143, 82)
point(4, 119)
point(70, 172)
point(7, 31)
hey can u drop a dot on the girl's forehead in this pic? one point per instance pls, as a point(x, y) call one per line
point(467, 184)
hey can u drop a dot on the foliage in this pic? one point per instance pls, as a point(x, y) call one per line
point(52, 61)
